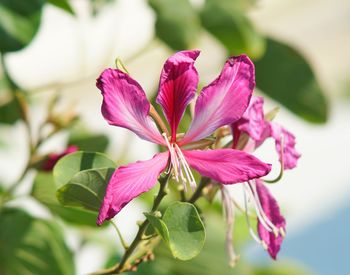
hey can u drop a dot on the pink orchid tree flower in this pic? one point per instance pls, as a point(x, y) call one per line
point(259, 129)
point(271, 224)
point(220, 103)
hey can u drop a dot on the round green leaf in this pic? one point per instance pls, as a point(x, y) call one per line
point(285, 75)
point(73, 163)
point(32, 246)
point(86, 189)
point(45, 192)
point(19, 22)
point(159, 226)
point(186, 230)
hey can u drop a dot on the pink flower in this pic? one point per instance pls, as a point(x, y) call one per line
point(273, 231)
point(54, 157)
point(258, 129)
point(271, 224)
point(220, 103)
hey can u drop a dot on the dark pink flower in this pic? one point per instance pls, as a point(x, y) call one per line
point(220, 103)
point(52, 158)
point(271, 238)
point(271, 224)
point(254, 124)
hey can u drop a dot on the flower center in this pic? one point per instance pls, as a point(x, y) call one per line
point(179, 167)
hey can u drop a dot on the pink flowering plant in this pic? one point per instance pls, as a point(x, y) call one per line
point(214, 153)
point(205, 191)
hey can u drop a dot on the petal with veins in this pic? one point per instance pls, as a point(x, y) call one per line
point(125, 105)
point(290, 154)
point(177, 87)
point(223, 101)
point(253, 122)
point(226, 166)
point(128, 182)
point(272, 211)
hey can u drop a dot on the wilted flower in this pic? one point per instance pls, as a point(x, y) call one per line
point(220, 103)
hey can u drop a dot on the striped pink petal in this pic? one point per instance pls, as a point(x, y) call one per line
point(223, 101)
point(128, 182)
point(226, 166)
point(125, 105)
point(177, 87)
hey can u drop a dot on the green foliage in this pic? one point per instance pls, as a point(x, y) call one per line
point(159, 226)
point(285, 75)
point(32, 246)
point(86, 189)
point(68, 166)
point(177, 23)
point(10, 111)
point(62, 4)
point(81, 179)
point(88, 142)
point(182, 230)
point(19, 22)
point(45, 192)
point(226, 20)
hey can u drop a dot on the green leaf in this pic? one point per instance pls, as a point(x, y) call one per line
point(44, 191)
point(226, 21)
point(19, 22)
point(10, 111)
point(285, 75)
point(62, 4)
point(32, 246)
point(186, 230)
point(86, 189)
point(89, 142)
point(177, 23)
point(159, 226)
point(71, 164)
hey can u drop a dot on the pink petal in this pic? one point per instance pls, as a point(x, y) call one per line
point(177, 87)
point(253, 122)
point(128, 182)
point(272, 211)
point(125, 105)
point(290, 154)
point(226, 166)
point(223, 101)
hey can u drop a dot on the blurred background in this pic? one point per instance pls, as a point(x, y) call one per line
point(301, 52)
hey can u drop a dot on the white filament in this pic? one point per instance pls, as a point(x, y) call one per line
point(251, 231)
point(257, 210)
point(266, 219)
point(179, 163)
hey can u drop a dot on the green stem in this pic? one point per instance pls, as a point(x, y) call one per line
point(198, 193)
point(124, 244)
point(121, 266)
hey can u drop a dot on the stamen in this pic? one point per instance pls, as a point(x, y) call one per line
point(178, 162)
point(186, 168)
point(229, 218)
point(282, 232)
point(172, 156)
point(262, 212)
point(257, 210)
point(251, 231)
point(280, 175)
